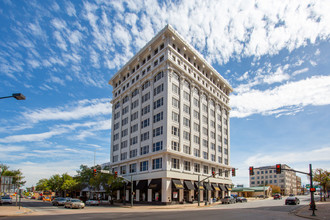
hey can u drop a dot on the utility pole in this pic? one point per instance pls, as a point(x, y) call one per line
point(312, 193)
point(132, 191)
point(198, 197)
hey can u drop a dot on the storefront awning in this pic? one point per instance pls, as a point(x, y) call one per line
point(188, 185)
point(155, 184)
point(142, 185)
point(201, 187)
point(177, 184)
point(207, 186)
point(222, 188)
point(215, 186)
point(228, 188)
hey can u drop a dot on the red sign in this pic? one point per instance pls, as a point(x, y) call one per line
point(312, 189)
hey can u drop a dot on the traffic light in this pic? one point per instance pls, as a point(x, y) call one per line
point(213, 174)
point(94, 172)
point(312, 190)
point(233, 172)
point(278, 169)
point(251, 171)
point(116, 174)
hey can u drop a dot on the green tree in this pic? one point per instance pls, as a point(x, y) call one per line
point(275, 189)
point(84, 174)
point(55, 183)
point(323, 178)
point(43, 185)
point(16, 174)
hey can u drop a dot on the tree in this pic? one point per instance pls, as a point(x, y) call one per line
point(55, 183)
point(43, 185)
point(323, 178)
point(275, 189)
point(16, 174)
point(69, 185)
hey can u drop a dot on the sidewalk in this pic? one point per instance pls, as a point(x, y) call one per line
point(6, 210)
point(322, 212)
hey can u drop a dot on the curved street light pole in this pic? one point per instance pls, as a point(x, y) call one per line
point(18, 96)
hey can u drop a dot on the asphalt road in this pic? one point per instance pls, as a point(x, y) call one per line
point(259, 209)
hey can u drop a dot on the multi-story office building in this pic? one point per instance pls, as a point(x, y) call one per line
point(170, 123)
point(287, 180)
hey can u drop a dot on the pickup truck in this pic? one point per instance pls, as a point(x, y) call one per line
point(228, 200)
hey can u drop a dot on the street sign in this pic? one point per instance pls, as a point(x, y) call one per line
point(105, 171)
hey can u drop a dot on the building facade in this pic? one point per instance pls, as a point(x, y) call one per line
point(287, 180)
point(170, 123)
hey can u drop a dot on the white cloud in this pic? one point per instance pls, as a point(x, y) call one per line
point(32, 137)
point(278, 76)
point(297, 72)
point(82, 109)
point(310, 91)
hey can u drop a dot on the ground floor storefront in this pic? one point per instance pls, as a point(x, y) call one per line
point(172, 191)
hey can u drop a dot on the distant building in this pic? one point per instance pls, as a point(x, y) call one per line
point(287, 180)
point(7, 186)
point(170, 123)
point(261, 191)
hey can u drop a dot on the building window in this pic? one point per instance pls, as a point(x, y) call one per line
point(124, 121)
point(186, 149)
point(186, 135)
point(175, 117)
point(186, 109)
point(145, 85)
point(123, 144)
point(196, 139)
point(117, 105)
point(175, 103)
point(196, 127)
point(158, 131)
point(145, 97)
point(115, 158)
point(158, 89)
point(158, 103)
point(124, 132)
point(145, 123)
point(115, 137)
point(205, 131)
point(205, 169)
point(175, 146)
point(186, 122)
point(123, 156)
point(175, 163)
point(134, 116)
point(144, 166)
point(123, 170)
point(196, 152)
point(158, 117)
point(196, 114)
point(175, 89)
point(145, 110)
point(145, 136)
point(133, 140)
point(205, 155)
point(116, 126)
point(196, 102)
point(135, 104)
point(133, 153)
point(158, 76)
point(219, 159)
point(135, 92)
point(186, 165)
point(125, 99)
point(157, 163)
point(145, 150)
point(157, 146)
point(115, 147)
point(213, 157)
point(186, 96)
point(134, 128)
point(205, 143)
point(226, 161)
point(212, 146)
point(125, 110)
point(175, 131)
point(197, 168)
point(132, 168)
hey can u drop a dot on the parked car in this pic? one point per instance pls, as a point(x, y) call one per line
point(59, 201)
point(228, 200)
point(241, 199)
point(92, 202)
point(6, 200)
point(277, 196)
point(74, 203)
point(292, 200)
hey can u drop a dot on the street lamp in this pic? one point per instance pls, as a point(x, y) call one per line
point(18, 96)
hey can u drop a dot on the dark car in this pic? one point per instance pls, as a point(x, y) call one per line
point(292, 200)
point(228, 200)
point(277, 196)
point(241, 199)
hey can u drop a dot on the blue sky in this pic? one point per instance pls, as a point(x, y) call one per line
point(61, 54)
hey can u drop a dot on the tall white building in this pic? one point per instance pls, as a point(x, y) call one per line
point(170, 123)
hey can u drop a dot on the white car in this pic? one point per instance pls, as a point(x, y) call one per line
point(74, 203)
point(6, 199)
point(92, 202)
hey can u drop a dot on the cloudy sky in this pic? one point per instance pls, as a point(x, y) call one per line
point(61, 54)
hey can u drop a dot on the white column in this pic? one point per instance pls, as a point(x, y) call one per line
point(166, 190)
